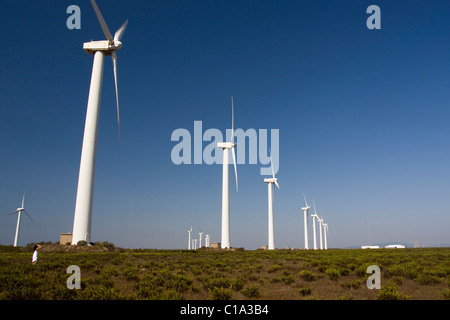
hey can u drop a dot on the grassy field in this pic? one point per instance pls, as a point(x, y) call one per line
point(111, 273)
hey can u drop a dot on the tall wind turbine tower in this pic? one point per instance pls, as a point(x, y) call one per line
point(19, 213)
point(320, 220)
point(225, 185)
point(305, 215)
point(83, 206)
point(271, 190)
point(314, 216)
point(207, 237)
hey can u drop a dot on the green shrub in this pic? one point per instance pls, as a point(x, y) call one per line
point(251, 292)
point(220, 293)
point(307, 275)
point(287, 277)
point(333, 273)
point(445, 293)
point(274, 268)
point(389, 292)
point(305, 291)
point(238, 283)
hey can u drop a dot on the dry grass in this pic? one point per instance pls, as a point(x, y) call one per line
point(422, 274)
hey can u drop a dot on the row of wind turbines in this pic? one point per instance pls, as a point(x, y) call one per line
point(271, 183)
point(83, 207)
point(192, 243)
point(85, 190)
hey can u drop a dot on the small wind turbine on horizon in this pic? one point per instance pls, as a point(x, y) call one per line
point(195, 243)
point(305, 214)
point(271, 192)
point(189, 239)
point(225, 183)
point(85, 191)
point(320, 220)
point(200, 239)
point(207, 237)
point(325, 232)
point(19, 213)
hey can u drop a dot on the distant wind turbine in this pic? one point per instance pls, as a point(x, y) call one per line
point(271, 190)
point(195, 244)
point(225, 183)
point(19, 213)
point(85, 191)
point(189, 239)
point(314, 216)
point(305, 214)
point(325, 232)
point(200, 239)
point(320, 220)
point(207, 237)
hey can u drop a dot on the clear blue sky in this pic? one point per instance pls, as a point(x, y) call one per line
point(362, 115)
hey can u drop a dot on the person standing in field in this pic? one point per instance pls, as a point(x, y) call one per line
point(35, 253)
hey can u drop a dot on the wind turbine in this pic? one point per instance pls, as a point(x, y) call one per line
point(189, 240)
point(320, 220)
point(225, 185)
point(195, 244)
point(200, 239)
point(19, 213)
point(314, 216)
point(271, 190)
point(305, 211)
point(325, 231)
point(207, 237)
point(83, 206)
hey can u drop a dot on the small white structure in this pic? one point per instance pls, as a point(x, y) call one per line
point(370, 247)
point(395, 246)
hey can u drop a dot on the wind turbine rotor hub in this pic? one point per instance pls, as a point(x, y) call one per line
point(105, 46)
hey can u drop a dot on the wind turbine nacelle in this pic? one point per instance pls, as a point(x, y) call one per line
point(20, 209)
point(226, 145)
point(104, 45)
point(270, 180)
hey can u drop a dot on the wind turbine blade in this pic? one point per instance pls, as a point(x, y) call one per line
point(271, 165)
point(232, 120)
point(23, 200)
point(13, 212)
point(119, 33)
point(114, 59)
point(277, 184)
point(235, 168)
point(102, 22)
point(314, 203)
point(304, 197)
point(29, 216)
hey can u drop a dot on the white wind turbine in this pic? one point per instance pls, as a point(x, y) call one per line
point(207, 237)
point(305, 214)
point(271, 190)
point(325, 232)
point(225, 183)
point(314, 216)
point(200, 239)
point(19, 213)
point(195, 244)
point(189, 239)
point(320, 220)
point(83, 206)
